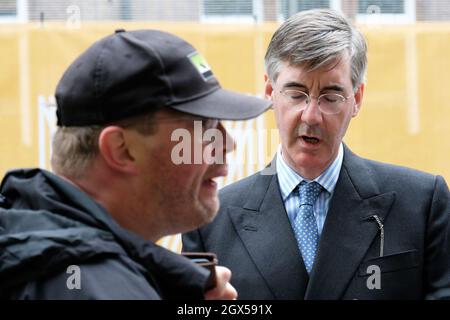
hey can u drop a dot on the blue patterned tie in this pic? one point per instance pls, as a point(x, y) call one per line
point(305, 226)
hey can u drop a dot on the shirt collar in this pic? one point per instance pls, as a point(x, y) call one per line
point(288, 178)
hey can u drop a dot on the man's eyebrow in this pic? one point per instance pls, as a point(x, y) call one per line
point(333, 87)
point(297, 85)
point(293, 84)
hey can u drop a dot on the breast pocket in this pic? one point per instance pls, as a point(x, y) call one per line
point(391, 263)
point(394, 276)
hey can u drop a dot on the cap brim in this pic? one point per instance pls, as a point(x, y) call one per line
point(225, 105)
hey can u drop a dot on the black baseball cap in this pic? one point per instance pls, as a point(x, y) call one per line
point(130, 72)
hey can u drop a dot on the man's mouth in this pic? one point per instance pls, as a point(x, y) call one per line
point(221, 172)
point(210, 182)
point(312, 140)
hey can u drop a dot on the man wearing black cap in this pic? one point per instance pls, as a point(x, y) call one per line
point(89, 231)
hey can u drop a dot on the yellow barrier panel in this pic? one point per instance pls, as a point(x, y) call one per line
point(404, 118)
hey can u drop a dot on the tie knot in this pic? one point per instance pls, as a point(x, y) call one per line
point(309, 192)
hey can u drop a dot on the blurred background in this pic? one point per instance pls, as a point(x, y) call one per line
point(406, 108)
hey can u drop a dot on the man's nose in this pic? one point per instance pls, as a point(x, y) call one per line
point(312, 115)
point(229, 144)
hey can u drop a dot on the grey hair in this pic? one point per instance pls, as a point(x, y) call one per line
point(314, 38)
point(75, 148)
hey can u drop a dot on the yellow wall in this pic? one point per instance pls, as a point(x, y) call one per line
point(403, 119)
point(406, 111)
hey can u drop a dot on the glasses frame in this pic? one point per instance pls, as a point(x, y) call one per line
point(309, 99)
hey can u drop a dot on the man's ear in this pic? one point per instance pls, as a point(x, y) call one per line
point(114, 150)
point(358, 100)
point(268, 89)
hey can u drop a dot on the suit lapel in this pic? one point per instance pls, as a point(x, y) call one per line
point(347, 233)
point(264, 228)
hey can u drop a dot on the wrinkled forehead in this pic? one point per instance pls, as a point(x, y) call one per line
point(335, 74)
point(340, 63)
point(323, 64)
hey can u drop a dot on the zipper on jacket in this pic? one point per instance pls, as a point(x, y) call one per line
point(3, 202)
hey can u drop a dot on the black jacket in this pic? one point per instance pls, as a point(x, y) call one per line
point(48, 225)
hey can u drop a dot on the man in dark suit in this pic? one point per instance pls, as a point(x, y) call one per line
point(321, 222)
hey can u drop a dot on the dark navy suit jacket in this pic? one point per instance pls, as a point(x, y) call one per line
point(252, 236)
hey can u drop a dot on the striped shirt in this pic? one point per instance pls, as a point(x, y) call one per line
point(288, 180)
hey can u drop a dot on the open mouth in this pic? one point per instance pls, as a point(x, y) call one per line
point(211, 182)
point(311, 140)
point(221, 171)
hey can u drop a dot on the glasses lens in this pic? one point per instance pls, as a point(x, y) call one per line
point(296, 98)
point(331, 103)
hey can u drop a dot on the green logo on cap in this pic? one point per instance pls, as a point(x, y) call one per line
point(201, 65)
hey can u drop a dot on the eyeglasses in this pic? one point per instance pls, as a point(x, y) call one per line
point(329, 103)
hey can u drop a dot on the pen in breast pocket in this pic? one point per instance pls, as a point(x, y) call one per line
point(381, 227)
